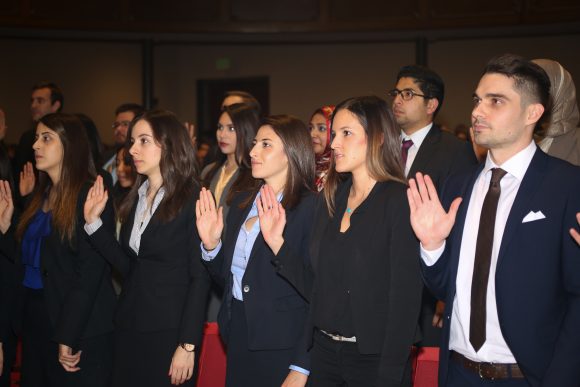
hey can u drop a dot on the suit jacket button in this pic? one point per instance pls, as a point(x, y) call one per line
point(246, 288)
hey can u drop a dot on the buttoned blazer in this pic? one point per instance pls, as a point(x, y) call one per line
point(165, 286)
point(275, 311)
point(537, 281)
point(442, 154)
point(78, 292)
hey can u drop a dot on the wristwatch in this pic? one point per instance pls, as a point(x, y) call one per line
point(187, 347)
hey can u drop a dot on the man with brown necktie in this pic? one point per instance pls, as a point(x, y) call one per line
point(502, 261)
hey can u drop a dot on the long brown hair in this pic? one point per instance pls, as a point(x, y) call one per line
point(298, 148)
point(77, 169)
point(178, 166)
point(246, 120)
point(383, 159)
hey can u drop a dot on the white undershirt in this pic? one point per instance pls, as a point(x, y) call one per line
point(495, 348)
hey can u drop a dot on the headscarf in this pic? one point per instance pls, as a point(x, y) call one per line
point(561, 137)
point(323, 159)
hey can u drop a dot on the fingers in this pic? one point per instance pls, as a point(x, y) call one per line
point(432, 191)
point(454, 207)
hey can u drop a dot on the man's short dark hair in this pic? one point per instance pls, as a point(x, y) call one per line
point(530, 81)
point(247, 99)
point(55, 92)
point(428, 81)
point(135, 108)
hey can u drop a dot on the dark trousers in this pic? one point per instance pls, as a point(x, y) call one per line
point(336, 363)
point(40, 366)
point(143, 358)
point(9, 349)
point(457, 376)
point(251, 368)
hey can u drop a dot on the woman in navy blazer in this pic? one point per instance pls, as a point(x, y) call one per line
point(161, 309)
point(262, 317)
point(65, 297)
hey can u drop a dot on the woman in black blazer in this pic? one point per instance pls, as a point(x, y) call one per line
point(161, 309)
point(65, 295)
point(262, 317)
point(363, 284)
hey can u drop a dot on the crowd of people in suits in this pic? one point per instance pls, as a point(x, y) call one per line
point(309, 244)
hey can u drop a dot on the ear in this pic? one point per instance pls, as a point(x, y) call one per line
point(432, 104)
point(534, 113)
point(55, 107)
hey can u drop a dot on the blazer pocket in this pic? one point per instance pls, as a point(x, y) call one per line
point(289, 303)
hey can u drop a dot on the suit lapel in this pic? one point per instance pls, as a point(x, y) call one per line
point(530, 184)
point(427, 148)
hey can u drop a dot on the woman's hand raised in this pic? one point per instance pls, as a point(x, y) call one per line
point(272, 218)
point(209, 222)
point(96, 201)
point(6, 206)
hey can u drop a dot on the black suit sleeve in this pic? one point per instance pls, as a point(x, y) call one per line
point(405, 292)
point(89, 269)
point(194, 309)
point(109, 248)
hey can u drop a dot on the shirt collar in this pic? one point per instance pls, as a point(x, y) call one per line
point(418, 136)
point(517, 165)
point(145, 186)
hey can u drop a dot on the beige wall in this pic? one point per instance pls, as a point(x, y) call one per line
point(95, 78)
point(98, 76)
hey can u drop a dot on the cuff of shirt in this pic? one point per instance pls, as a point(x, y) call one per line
point(431, 257)
point(298, 369)
point(93, 227)
point(209, 255)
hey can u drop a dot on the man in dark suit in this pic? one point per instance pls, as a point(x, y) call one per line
point(503, 261)
point(417, 98)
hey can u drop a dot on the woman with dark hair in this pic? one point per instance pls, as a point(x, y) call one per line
point(320, 134)
point(161, 309)
point(126, 176)
point(66, 297)
point(231, 172)
point(363, 283)
point(262, 317)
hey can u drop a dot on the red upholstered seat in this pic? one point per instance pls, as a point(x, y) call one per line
point(212, 360)
point(425, 367)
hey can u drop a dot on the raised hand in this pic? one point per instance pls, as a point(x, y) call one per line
point(209, 222)
point(575, 234)
point(272, 218)
point(6, 206)
point(429, 220)
point(96, 201)
point(27, 179)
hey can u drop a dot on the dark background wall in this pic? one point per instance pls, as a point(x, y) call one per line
point(314, 52)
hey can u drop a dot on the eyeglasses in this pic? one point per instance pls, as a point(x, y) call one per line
point(406, 94)
point(116, 124)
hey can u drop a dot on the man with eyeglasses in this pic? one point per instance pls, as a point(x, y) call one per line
point(416, 100)
point(124, 114)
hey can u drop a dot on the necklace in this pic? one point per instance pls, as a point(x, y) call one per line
point(349, 210)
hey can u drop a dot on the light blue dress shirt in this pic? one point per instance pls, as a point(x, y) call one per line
point(242, 251)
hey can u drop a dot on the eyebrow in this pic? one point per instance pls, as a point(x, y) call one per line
point(45, 132)
point(262, 139)
point(492, 95)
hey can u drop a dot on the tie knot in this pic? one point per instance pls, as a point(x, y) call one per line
point(496, 175)
point(407, 144)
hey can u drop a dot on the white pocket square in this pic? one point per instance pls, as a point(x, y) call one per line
point(533, 216)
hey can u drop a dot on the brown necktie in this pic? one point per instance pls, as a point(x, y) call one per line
point(405, 150)
point(482, 262)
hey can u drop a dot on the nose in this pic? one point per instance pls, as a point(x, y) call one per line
point(36, 144)
point(478, 111)
point(133, 149)
point(335, 143)
point(253, 151)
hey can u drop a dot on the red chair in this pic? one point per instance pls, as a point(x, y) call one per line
point(212, 360)
point(425, 367)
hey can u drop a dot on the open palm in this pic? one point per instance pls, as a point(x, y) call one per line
point(6, 206)
point(96, 201)
point(209, 222)
point(272, 218)
point(429, 220)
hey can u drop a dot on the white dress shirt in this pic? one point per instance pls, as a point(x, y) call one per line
point(417, 139)
point(495, 348)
